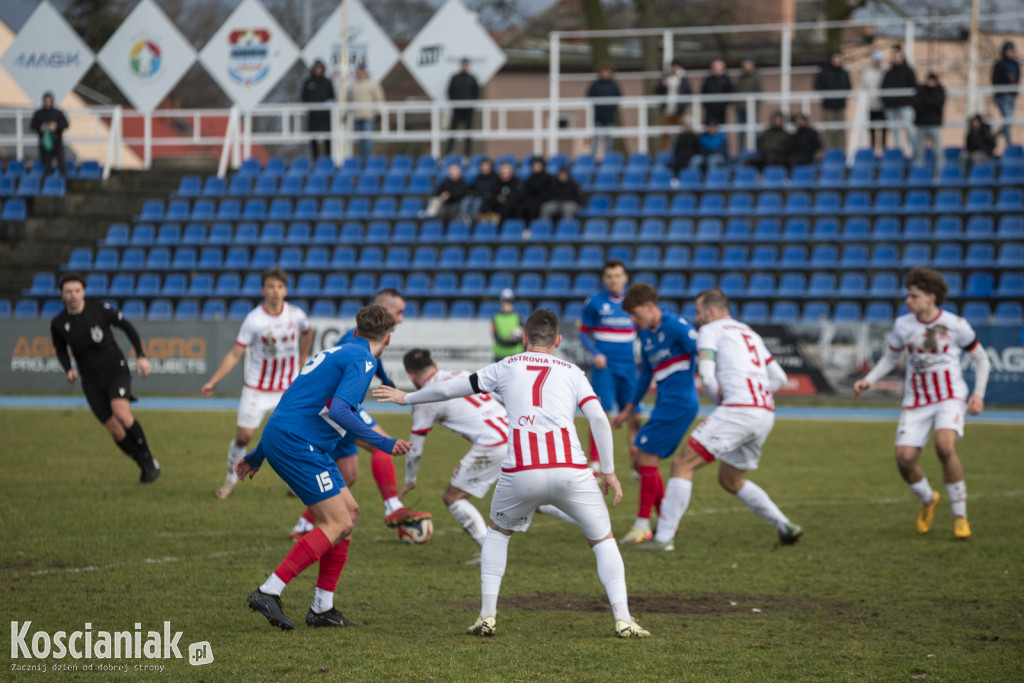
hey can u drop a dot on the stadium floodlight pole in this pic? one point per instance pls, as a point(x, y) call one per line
point(972, 61)
point(554, 66)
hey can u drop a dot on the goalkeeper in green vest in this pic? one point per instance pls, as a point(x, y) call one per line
point(507, 328)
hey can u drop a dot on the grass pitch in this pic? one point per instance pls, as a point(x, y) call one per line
point(861, 597)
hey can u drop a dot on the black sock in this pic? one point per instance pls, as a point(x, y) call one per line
point(137, 439)
point(128, 447)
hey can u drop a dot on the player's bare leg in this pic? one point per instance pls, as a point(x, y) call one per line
point(735, 482)
point(129, 437)
point(236, 451)
point(907, 462)
point(953, 476)
point(652, 491)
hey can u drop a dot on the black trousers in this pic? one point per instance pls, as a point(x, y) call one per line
point(461, 118)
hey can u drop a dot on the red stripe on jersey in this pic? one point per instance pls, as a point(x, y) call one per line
point(535, 449)
point(263, 373)
point(421, 432)
point(588, 398)
point(949, 384)
point(585, 329)
point(238, 343)
point(935, 383)
point(567, 445)
point(917, 396)
point(517, 447)
point(701, 450)
point(549, 441)
point(665, 363)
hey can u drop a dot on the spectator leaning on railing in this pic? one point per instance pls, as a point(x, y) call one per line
point(604, 114)
point(833, 77)
point(318, 88)
point(463, 86)
point(899, 109)
point(928, 104)
point(672, 86)
point(749, 81)
point(1006, 72)
point(716, 83)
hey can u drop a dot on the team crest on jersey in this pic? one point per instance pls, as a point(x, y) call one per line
point(661, 337)
point(96, 332)
point(932, 336)
point(606, 308)
point(67, 327)
point(269, 345)
point(120, 390)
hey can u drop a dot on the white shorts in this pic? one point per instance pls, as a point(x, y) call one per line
point(479, 469)
point(916, 425)
point(574, 491)
point(734, 436)
point(254, 406)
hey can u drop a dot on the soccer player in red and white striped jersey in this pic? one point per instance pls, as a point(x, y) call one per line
point(278, 337)
point(544, 463)
point(740, 376)
point(935, 394)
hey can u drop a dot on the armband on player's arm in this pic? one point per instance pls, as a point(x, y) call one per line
point(776, 375)
point(885, 364)
point(981, 368)
point(442, 391)
point(706, 367)
point(412, 458)
point(602, 431)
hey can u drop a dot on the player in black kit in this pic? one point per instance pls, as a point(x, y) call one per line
point(84, 327)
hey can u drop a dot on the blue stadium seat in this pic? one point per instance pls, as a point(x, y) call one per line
point(847, 312)
point(562, 258)
point(175, 285)
point(239, 308)
point(948, 228)
point(499, 282)
point(885, 256)
point(158, 258)
point(213, 309)
point(948, 201)
point(980, 228)
point(976, 312)
point(770, 204)
point(672, 285)
point(401, 257)
point(855, 256)
point(434, 309)
point(317, 258)
point(917, 228)
point(624, 230)
point(1009, 313)
point(363, 285)
point(980, 255)
point(764, 257)
point(627, 205)
point(227, 210)
point(187, 309)
point(733, 284)
point(557, 285)
point(143, 235)
point(308, 285)
point(826, 229)
point(240, 186)
point(740, 204)
point(814, 311)
point(342, 184)
point(711, 204)
point(979, 285)
point(709, 230)
point(853, 285)
point(1009, 200)
point(792, 285)
point(884, 286)
point(1011, 255)
point(160, 310)
point(736, 257)
point(462, 309)
point(736, 230)
point(190, 186)
point(826, 203)
point(705, 256)
point(767, 230)
point(272, 233)
point(794, 256)
point(955, 284)
point(858, 202)
point(405, 232)
point(263, 258)
point(982, 175)
point(506, 258)
point(358, 209)
point(590, 256)
point(683, 205)
point(916, 254)
point(887, 228)
point(754, 312)
point(797, 230)
point(878, 312)
point(647, 256)
point(350, 307)
point(1010, 228)
point(862, 176)
point(473, 284)
point(655, 205)
point(784, 312)
point(26, 309)
point(822, 285)
point(529, 285)
point(677, 256)
point(336, 285)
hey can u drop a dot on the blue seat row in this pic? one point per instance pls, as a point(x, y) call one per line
point(14, 210)
point(33, 186)
point(280, 208)
point(17, 169)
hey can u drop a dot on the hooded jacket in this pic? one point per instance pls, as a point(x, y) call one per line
point(1006, 71)
point(833, 78)
point(899, 76)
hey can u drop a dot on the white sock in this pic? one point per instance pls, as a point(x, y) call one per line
point(273, 585)
point(958, 498)
point(493, 558)
point(612, 573)
point(322, 600)
point(552, 511)
point(235, 455)
point(391, 504)
point(466, 514)
point(643, 523)
point(762, 506)
point(673, 506)
point(922, 490)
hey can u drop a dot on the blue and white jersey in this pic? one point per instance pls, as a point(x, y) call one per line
point(669, 357)
point(340, 373)
point(607, 329)
point(350, 337)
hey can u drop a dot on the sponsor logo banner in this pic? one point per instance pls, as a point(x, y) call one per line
point(368, 45)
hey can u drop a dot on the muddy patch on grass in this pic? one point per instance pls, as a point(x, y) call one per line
point(709, 603)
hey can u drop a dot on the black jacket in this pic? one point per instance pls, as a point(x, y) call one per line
point(928, 105)
point(715, 85)
point(899, 76)
point(91, 341)
point(318, 89)
point(1006, 72)
point(463, 86)
point(687, 146)
point(604, 113)
point(981, 140)
point(536, 185)
point(833, 78)
point(775, 146)
point(805, 144)
point(485, 186)
point(42, 116)
point(456, 190)
point(569, 191)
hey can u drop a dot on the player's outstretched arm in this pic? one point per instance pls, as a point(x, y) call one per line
point(227, 364)
point(386, 394)
point(439, 391)
point(887, 362)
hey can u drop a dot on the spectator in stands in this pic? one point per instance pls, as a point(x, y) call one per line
point(604, 113)
point(50, 123)
point(833, 77)
point(509, 199)
point(564, 197)
point(687, 148)
point(870, 82)
point(928, 104)
point(366, 97)
point(806, 143)
point(536, 188)
point(462, 86)
point(775, 144)
point(713, 151)
point(506, 327)
point(450, 194)
point(716, 83)
point(749, 81)
point(672, 86)
point(1006, 72)
point(318, 88)
point(980, 144)
point(481, 190)
point(899, 110)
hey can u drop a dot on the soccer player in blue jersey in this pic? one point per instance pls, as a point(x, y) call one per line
point(607, 333)
point(668, 356)
point(395, 513)
point(319, 408)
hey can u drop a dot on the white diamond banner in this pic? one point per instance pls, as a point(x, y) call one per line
point(47, 56)
point(368, 45)
point(451, 35)
point(146, 56)
point(249, 54)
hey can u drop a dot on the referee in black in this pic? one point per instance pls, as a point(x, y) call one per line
point(84, 328)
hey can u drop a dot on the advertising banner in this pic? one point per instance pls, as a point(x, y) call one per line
point(805, 377)
point(47, 56)
point(368, 45)
point(451, 35)
point(146, 56)
point(1005, 347)
point(249, 54)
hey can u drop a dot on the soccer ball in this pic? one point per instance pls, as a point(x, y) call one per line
point(416, 533)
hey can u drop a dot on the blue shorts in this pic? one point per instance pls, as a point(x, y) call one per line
point(308, 471)
point(346, 448)
point(614, 384)
point(665, 430)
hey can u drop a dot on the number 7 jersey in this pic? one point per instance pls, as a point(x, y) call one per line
point(741, 363)
point(541, 395)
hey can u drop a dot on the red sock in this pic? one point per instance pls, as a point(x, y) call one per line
point(308, 550)
point(593, 448)
point(384, 474)
point(309, 516)
point(331, 564)
point(659, 493)
point(650, 483)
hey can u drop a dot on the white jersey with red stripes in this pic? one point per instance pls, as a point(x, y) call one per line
point(480, 419)
point(741, 363)
point(933, 357)
point(542, 394)
point(273, 343)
